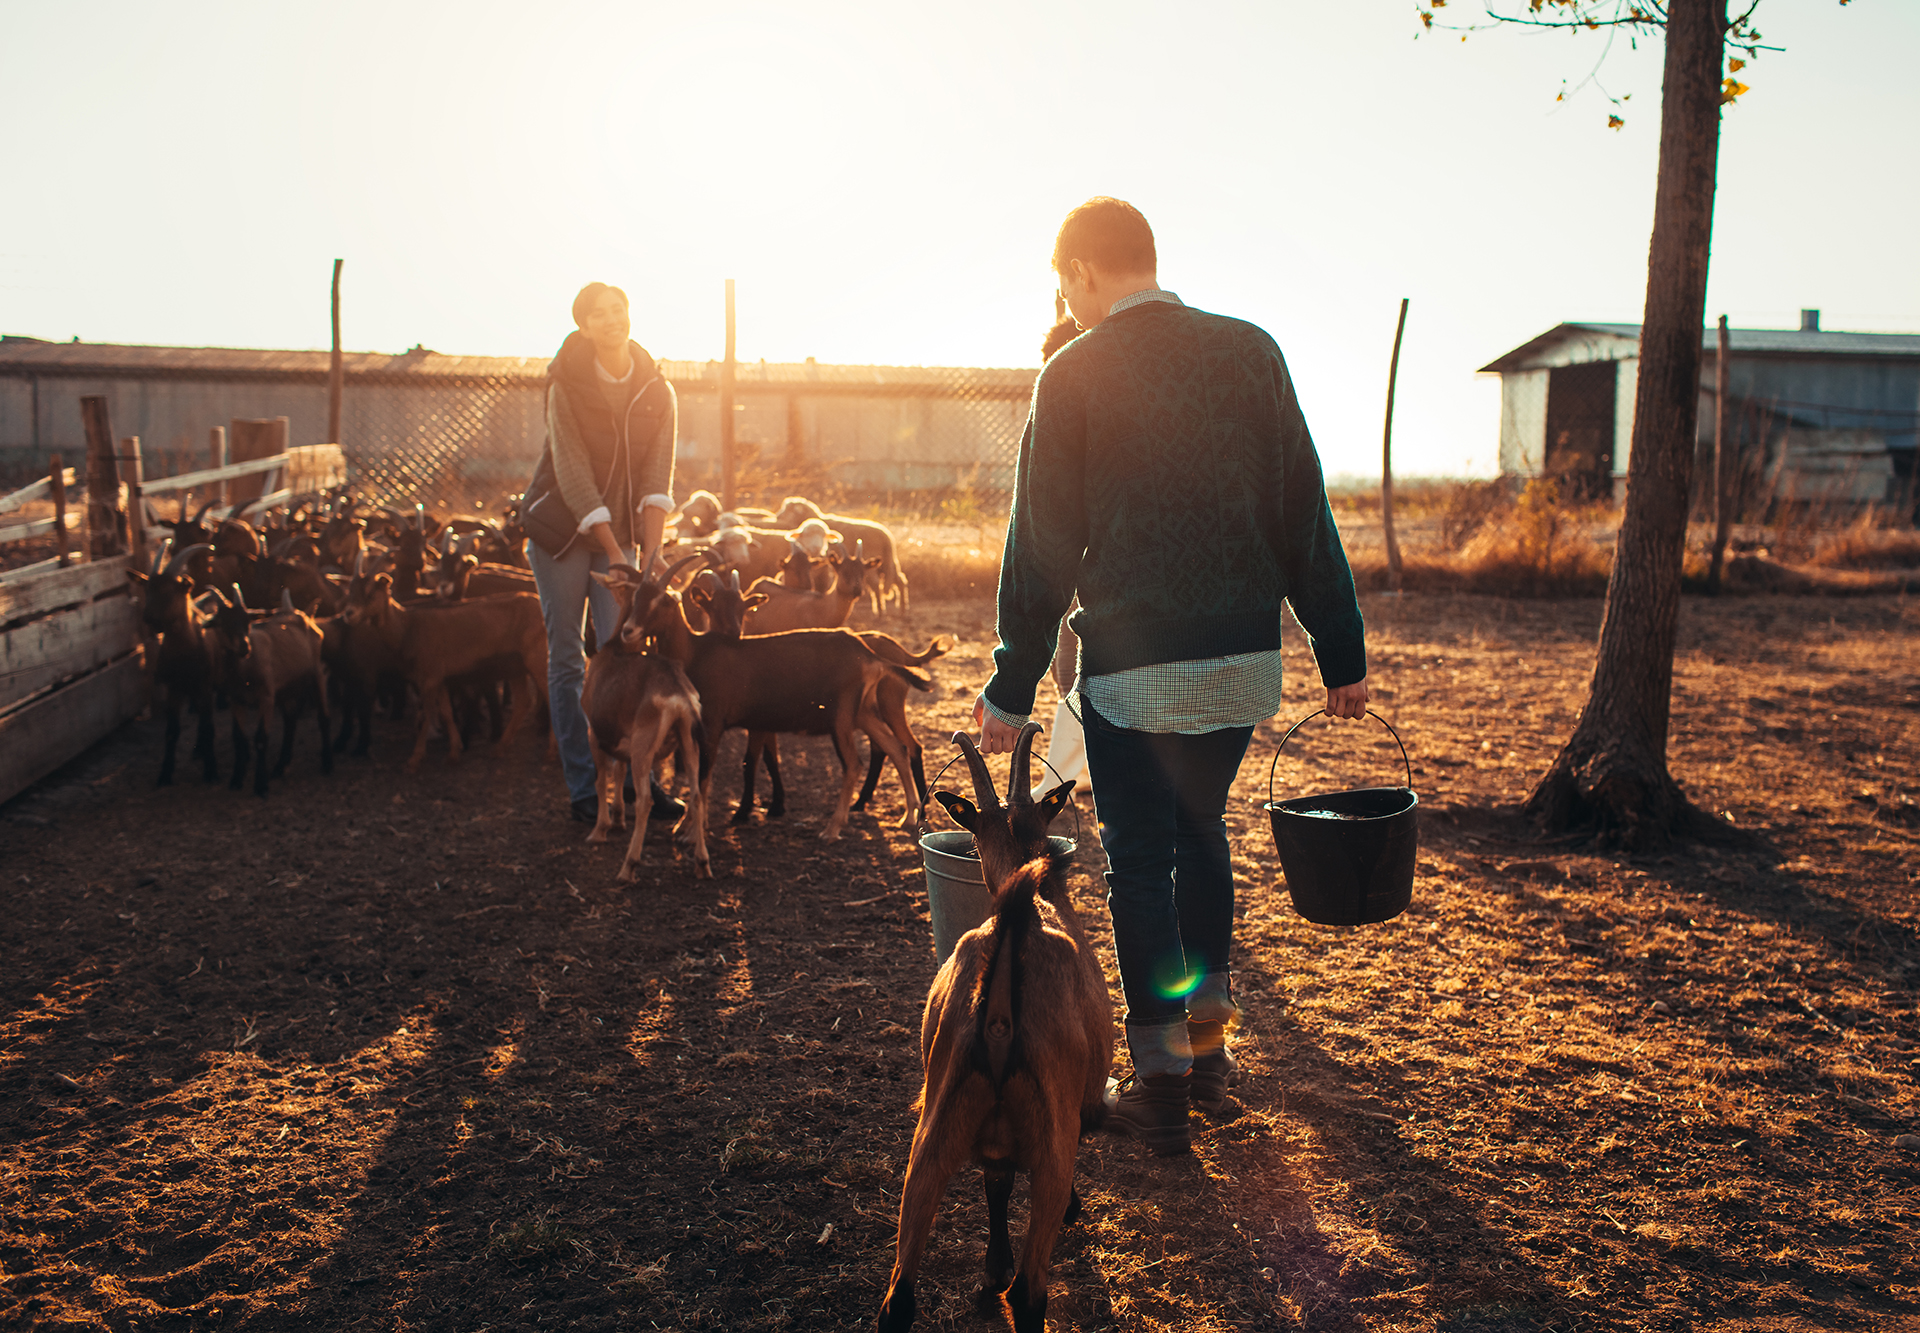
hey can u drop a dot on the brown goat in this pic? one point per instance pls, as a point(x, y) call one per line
point(265, 661)
point(431, 646)
point(640, 705)
point(1017, 1039)
point(813, 681)
point(786, 608)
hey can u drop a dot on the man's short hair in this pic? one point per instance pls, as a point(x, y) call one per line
point(1109, 234)
point(590, 293)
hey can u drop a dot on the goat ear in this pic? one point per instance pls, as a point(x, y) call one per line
point(1056, 800)
point(700, 597)
point(963, 811)
point(756, 599)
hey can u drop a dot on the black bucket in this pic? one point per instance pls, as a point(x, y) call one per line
point(1348, 855)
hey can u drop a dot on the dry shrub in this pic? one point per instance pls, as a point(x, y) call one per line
point(1863, 546)
point(1541, 546)
point(1468, 506)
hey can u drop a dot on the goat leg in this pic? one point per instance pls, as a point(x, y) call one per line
point(170, 742)
point(260, 749)
point(203, 746)
point(756, 744)
point(241, 751)
point(1049, 1187)
point(607, 774)
point(695, 823)
point(876, 761)
point(455, 745)
point(326, 730)
point(998, 1180)
point(289, 716)
point(429, 709)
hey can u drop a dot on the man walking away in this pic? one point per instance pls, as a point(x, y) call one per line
point(1167, 477)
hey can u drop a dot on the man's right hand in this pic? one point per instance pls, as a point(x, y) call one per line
point(1348, 700)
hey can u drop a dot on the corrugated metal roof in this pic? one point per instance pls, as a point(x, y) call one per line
point(1750, 342)
point(24, 356)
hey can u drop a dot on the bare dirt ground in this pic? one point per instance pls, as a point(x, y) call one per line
point(391, 1053)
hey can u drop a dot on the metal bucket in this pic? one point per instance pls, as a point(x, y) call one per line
point(957, 897)
point(1348, 855)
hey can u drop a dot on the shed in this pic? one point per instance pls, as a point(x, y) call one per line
point(1821, 415)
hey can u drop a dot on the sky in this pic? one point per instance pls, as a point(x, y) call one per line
point(883, 181)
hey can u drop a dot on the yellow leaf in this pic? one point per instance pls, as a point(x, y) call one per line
point(1736, 65)
point(1614, 122)
point(1731, 89)
point(1426, 18)
point(1439, 4)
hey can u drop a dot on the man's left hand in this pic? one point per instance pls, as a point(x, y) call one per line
point(1348, 700)
point(996, 737)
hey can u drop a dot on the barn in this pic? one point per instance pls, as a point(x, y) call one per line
point(419, 424)
point(1816, 415)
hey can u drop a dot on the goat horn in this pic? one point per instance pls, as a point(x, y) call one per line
point(185, 554)
point(860, 549)
point(360, 564)
point(984, 795)
point(239, 598)
point(734, 581)
point(673, 570)
point(286, 602)
point(1020, 779)
point(159, 556)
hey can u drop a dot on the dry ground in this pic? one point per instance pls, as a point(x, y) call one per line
point(393, 1053)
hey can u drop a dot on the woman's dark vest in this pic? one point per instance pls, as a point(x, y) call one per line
point(610, 437)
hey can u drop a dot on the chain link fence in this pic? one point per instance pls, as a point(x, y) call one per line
point(905, 437)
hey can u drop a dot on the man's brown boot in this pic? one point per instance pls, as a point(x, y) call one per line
point(1152, 1109)
point(1214, 1068)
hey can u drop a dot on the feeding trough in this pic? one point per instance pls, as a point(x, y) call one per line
point(1348, 855)
point(957, 896)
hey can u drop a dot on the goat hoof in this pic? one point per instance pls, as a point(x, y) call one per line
point(598, 836)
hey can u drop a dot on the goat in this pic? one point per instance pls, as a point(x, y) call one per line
point(796, 510)
point(813, 681)
point(182, 670)
point(432, 646)
point(890, 702)
point(1017, 1039)
point(460, 574)
point(638, 705)
point(756, 552)
point(787, 609)
point(699, 516)
point(262, 661)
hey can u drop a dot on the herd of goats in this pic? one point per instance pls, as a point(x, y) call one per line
point(736, 623)
point(332, 605)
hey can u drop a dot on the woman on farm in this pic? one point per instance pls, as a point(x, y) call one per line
point(603, 487)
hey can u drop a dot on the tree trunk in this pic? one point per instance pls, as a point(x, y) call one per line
point(1611, 777)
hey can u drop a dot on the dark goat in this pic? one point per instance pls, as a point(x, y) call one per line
point(182, 670)
point(813, 681)
point(265, 661)
point(1017, 1039)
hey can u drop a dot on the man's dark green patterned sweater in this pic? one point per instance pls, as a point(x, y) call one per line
point(1167, 476)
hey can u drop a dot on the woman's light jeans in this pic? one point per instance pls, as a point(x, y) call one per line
point(567, 593)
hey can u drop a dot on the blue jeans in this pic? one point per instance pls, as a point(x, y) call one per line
point(1161, 798)
point(566, 594)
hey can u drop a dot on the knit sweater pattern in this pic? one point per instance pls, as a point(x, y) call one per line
point(1166, 473)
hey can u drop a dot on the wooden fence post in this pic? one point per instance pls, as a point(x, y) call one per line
point(250, 439)
point(1722, 452)
point(1386, 459)
point(129, 469)
point(726, 411)
point(58, 486)
point(104, 537)
point(336, 373)
point(217, 452)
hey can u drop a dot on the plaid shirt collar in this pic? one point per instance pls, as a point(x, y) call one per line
point(1141, 297)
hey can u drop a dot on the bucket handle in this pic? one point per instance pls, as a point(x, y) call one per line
point(1310, 717)
point(922, 829)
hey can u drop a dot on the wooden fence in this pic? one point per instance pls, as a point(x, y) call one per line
point(72, 656)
